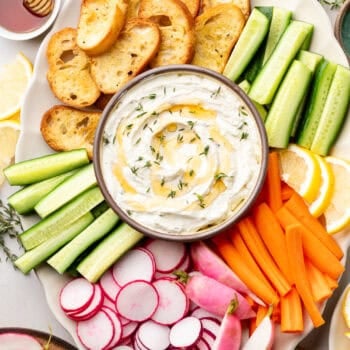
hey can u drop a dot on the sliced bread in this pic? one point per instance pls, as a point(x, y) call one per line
point(136, 46)
point(176, 27)
point(217, 30)
point(133, 9)
point(69, 70)
point(65, 128)
point(193, 6)
point(244, 5)
point(100, 23)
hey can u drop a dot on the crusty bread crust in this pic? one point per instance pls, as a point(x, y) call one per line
point(244, 5)
point(193, 6)
point(133, 9)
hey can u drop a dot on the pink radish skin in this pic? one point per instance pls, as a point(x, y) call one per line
point(116, 324)
point(109, 286)
point(137, 264)
point(153, 336)
point(18, 341)
point(211, 265)
point(186, 332)
point(215, 297)
point(173, 302)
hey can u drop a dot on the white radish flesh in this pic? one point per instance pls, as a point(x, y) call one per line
point(153, 336)
point(109, 285)
point(18, 341)
point(137, 301)
point(201, 313)
point(185, 332)
point(137, 264)
point(173, 302)
point(208, 337)
point(211, 325)
point(129, 329)
point(202, 345)
point(122, 347)
point(185, 264)
point(116, 324)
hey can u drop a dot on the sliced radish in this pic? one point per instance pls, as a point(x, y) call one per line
point(185, 264)
point(173, 302)
point(167, 255)
point(201, 313)
point(137, 301)
point(76, 295)
point(208, 337)
point(97, 332)
point(137, 264)
point(211, 325)
point(117, 325)
point(18, 341)
point(185, 332)
point(122, 347)
point(109, 286)
point(138, 345)
point(202, 345)
point(153, 336)
point(129, 329)
point(108, 302)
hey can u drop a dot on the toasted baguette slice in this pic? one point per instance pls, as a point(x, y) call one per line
point(244, 5)
point(65, 128)
point(136, 46)
point(217, 30)
point(99, 25)
point(133, 9)
point(193, 6)
point(176, 27)
point(69, 70)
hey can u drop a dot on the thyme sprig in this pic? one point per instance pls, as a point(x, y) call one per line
point(332, 4)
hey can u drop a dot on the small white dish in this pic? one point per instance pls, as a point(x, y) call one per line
point(7, 34)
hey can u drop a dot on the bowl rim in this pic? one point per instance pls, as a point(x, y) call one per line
point(338, 25)
point(98, 146)
point(8, 34)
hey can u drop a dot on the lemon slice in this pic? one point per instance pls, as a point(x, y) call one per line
point(14, 79)
point(301, 171)
point(323, 199)
point(337, 214)
point(9, 132)
point(346, 307)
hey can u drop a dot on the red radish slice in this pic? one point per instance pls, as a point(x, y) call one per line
point(153, 336)
point(185, 264)
point(159, 275)
point(202, 345)
point(122, 347)
point(173, 302)
point(137, 264)
point(18, 341)
point(97, 332)
point(167, 255)
point(129, 329)
point(109, 303)
point(185, 332)
point(123, 320)
point(76, 295)
point(117, 325)
point(201, 313)
point(211, 325)
point(137, 301)
point(109, 286)
point(138, 345)
point(208, 337)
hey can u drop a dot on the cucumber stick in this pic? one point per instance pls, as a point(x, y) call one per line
point(333, 113)
point(36, 256)
point(117, 243)
point(82, 180)
point(281, 116)
point(42, 168)
point(247, 45)
point(321, 84)
point(269, 78)
point(61, 219)
point(24, 200)
point(99, 228)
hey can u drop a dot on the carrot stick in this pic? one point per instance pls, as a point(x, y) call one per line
point(314, 250)
point(261, 255)
point(261, 313)
point(291, 312)
point(233, 259)
point(332, 283)
point(319, 286)
point(300, 210)
point(276, 313)
point(296, 259)
point(273, 182)
point(273, 236)
point(286, 191)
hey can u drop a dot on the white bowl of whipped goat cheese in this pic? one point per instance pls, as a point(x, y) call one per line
point(180, 153)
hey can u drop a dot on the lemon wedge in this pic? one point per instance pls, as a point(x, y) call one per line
point(301, 171)
point(14, 80)
point(9, 132)
point(337, 213)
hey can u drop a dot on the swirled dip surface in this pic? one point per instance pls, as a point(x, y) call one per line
point(181, 152)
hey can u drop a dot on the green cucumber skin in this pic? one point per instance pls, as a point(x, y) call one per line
point(315, 104)
point(269, 78)
point(334, 112)
point(280, 119)
point(42, 168)
point(82, 180)
point(249, 42)
point(53, 224)
point(307, 42)
point(117, 243)
point(24, 200)
point(39, 254)
point(65, 257)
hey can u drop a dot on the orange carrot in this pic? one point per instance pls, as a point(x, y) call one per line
point(273, 236)
point(291, 312)
point(332, 283)
point(233, 259)
point(296, 259)
point(276, 313)
point(261, 313)
point(318, 254)
point(273, 182)
point(318, 283)
point(286, 191)
point(261, 255)
point(300, 210)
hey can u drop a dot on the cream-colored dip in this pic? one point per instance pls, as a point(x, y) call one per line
point(181, 152)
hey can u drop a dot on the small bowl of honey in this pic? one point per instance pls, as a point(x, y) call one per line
point(27, 19)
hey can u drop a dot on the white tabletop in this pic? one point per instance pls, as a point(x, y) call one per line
point(22, 300)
